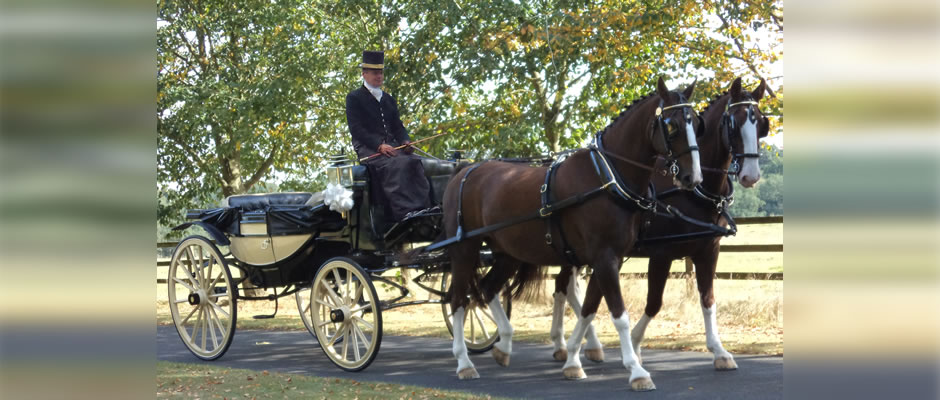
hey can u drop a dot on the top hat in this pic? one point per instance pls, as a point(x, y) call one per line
point(373, 60)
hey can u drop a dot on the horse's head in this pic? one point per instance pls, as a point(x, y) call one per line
point(741, 127)
point(674, 132)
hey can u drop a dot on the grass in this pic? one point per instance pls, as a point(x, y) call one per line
point(750, 312)
point(200, 381)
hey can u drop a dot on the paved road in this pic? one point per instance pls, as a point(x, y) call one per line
point(428, 362)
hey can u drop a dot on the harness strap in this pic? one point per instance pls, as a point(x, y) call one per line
point(463, 181)
point(546, 213)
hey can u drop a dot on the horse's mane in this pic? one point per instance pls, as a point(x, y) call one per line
point(626, 109)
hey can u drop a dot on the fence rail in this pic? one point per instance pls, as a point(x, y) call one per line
point(689, 268)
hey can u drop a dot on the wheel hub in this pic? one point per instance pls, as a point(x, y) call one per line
point(337, 316)
point(197, 298)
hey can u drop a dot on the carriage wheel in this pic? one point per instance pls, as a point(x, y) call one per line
point(202, 303)
point(303, 307)
point(345, 314)
point(480, 333)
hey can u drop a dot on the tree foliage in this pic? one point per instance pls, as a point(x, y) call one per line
point(254, 91)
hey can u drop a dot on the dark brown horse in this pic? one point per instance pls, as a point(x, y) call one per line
point(600, 230)
point(733, 126)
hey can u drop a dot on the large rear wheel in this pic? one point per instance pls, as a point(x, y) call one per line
point(202, 297)
point(345, 314)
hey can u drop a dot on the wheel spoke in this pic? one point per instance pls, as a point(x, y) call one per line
point(180, 301)
point(345, 343)
point(183, 322)
point(218, 322)
point(365, 341)
point(368, 325)
point(331, 292)
point(205, 322)
point(220, 309)
point(486, 333)
point(192, 265)
point(473, 335)
point(361, 308)
point(324, 323)
point(211, 316)
point(333, 338)
point(327, 305)
point(192, 288)
point(355, 341)
point(337, 281)
point(209, 272)
point(216, 280)
point(355, 300)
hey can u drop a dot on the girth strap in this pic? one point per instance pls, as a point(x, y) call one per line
point(546, 213)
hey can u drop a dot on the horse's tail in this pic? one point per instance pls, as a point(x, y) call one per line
point(528, 284)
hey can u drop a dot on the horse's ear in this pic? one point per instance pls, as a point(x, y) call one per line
point(735, 88)
point(688, 91)
point(758, 93)
point(763, 127)
point(661, 89)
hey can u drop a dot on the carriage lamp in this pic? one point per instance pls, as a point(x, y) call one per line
point(339, 170)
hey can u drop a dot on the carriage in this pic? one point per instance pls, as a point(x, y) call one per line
point(328, 260)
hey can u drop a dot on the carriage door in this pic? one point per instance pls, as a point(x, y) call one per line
point(254, 246)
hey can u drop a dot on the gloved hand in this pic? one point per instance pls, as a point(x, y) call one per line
point(408, 149)
point(387, 150)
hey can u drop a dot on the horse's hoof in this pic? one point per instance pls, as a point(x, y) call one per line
point(560, 355)
point(574, 373)
point(468, 373)
point(501, 358)
point(725, 364)
point(596, 355)
point(642, 384)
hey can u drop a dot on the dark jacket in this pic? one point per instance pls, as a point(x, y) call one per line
point(372, 123)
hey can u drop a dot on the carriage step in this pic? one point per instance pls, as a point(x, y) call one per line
point(263, 316)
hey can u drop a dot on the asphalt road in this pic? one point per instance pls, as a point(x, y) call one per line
point(428, 362)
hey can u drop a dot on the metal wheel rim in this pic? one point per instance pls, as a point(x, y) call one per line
point(353, 343)
point(480, 333)
point(303, 307)
point(206, 327)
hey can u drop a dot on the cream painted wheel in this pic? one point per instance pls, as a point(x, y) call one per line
point(345, 313)
point(201, 297)
point(479, 332)
point(303, 307)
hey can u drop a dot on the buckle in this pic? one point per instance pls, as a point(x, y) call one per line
point(544, 188)
point(548, 238)
point(543, 213)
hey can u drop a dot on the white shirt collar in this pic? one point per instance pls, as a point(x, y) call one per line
point(376, 92)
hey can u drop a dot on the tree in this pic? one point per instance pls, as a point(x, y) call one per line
point(240, 89)
point(255, 91)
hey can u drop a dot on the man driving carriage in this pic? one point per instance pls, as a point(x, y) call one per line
point(376, 129)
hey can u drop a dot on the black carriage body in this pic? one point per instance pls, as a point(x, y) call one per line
point(281, 239)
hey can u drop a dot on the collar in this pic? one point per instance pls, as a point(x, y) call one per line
point(376, 92)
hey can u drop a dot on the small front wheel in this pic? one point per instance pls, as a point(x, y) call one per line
point(345, 314)
point(480, 333)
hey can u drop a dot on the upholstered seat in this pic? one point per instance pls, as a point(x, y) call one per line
point(249, 202)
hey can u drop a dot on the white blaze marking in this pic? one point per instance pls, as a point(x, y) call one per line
point(696, 163)
point(749, 167)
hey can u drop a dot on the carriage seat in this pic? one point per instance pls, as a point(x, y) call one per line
point(434, 167)
point(252, 202)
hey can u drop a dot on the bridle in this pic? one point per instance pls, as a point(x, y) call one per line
point(672, 161)
point(727, 129)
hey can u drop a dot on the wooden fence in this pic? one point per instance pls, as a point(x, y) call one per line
point(689, 268)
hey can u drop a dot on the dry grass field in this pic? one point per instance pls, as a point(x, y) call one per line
point(750, 312)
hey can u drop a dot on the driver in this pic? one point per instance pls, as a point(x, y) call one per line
point(376, 128)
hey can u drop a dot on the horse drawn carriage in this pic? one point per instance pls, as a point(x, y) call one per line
point(328, 260)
